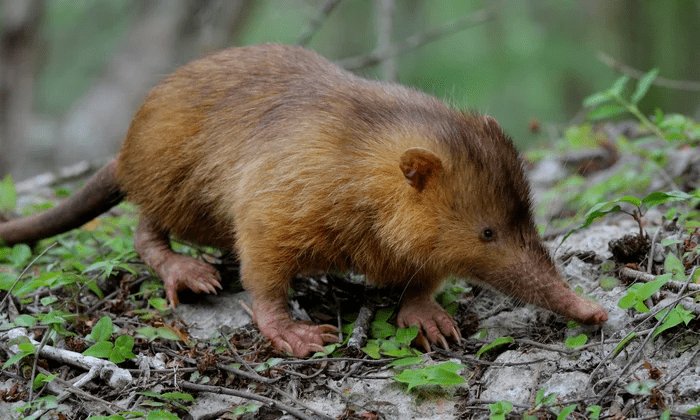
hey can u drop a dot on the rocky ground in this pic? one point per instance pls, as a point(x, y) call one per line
point(623, 367)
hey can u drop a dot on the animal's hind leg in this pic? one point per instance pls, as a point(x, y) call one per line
point(177, 271)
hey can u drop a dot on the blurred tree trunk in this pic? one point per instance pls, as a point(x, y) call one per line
point(162, 35)
point(19, 24)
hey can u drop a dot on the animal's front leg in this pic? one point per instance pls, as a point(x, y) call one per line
point(177, 271)
point(269, 289)
point(418, 307)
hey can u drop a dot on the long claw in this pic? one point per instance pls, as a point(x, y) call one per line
point(329, 338)
point(444, 343)
point(421, 341)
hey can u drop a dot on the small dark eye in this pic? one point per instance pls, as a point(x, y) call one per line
point(487, 234)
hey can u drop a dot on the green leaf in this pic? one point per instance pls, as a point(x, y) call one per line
point(372, 349)
point(382, 329)
point(161, 415)
point(122, 349)
point(149, 332)
point(641, 387)
point(595, 411)
point(168, 334)
point(576, 342)
point(608, 283)
point(19, 255)
point(406, 335)
point(42, 379)
point(102, 331)
point(25, 321)
point(676, 316)
point(660, 197)
point(500, 341)
point(48, 300)
point(53, 318)
point(619, 85)
point(14, 359)
point(178, 396)
point(444, 374)
point(101, 350)
point(643, 85)
point(383, 315)
point(652, 287)
point(566, 411)
point(596, 99)
point(630, 199)
point(159, 304)
point(8, 195)
point(674, 266)
point(500, 409)
point(606, 111)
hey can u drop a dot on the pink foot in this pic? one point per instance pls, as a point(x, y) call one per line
point(181, 272)
point(434, 324)
point(296, 337)
point(586, 311)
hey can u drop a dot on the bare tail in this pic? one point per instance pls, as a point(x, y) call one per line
point(100, 194)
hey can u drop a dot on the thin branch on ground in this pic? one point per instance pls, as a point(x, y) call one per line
point(247, 395)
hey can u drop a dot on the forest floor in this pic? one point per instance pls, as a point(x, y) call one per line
point(89, 293)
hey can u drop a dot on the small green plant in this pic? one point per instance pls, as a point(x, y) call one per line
point(594, 411)
point(389, 340)
point(500, 409)
point(641, 387)
point(151, 333)
point(577, 341)
point(164, 401)
point(103, 348)
point(675, 316)
point(26, 348)
point(38, 406)
point(638, 293)
point(653, 199)
point(444, 374)
point(500, 341)
point(612, 102)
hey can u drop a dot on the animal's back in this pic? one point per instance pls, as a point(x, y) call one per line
point(270, 138)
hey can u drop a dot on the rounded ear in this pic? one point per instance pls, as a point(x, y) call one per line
point(420, 167)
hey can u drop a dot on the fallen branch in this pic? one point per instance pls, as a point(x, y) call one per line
point(116, 377)
point(359, 332)
point(247, 395)
point(673, 285)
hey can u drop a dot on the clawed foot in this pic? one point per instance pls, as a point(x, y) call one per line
point(434, 324)
point(296, 337)
point(300, 338)
point(182, 272)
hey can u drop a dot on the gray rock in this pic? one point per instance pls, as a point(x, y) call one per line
point(213, 311)
point(517, 383)
point(568, 385)
point(688, 386)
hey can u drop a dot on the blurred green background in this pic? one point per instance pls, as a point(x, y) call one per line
point(73, 72)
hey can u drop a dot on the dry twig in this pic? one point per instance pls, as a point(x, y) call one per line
point(415, 41)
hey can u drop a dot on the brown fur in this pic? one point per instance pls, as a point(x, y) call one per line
point(275, 153)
